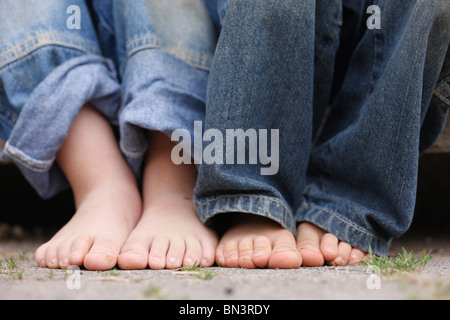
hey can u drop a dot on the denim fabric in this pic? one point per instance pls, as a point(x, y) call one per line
point(144, 64)
point(274, 68)
point(164, 63)
point(47, 73)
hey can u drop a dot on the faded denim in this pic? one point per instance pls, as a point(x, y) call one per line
point(143, 63)
point(348, 149)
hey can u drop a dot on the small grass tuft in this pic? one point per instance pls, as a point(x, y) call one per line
point(154, 292)
point(11, 263)
point(403, 262)
point(23, 255)
point(14, 268)
point(199, 272)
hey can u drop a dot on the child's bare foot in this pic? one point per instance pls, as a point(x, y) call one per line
point(257, 242)
point(106, 196)
point(170, 233)
point(96, 232)
point(317, 246)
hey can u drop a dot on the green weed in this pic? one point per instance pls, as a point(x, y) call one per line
point(403, 262)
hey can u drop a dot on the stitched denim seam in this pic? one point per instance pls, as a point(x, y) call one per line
point(197, 59)
point(442, 89)
point(245, 195)
point(27, 161)
point(334, 36)
point(403, 115)
point(334, 214)
point(43, 39)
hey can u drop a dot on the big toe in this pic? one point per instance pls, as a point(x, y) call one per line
point(134, 254)
point(284, 253)
point(308, 243)
point(102, 256)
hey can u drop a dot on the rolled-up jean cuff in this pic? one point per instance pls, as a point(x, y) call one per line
point(160, 93)
point(344, 230)
point(45, 119)
point(265, 206)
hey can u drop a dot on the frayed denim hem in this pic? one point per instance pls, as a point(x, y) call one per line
point(346, 231)
point(46, 118)
point(243, 203)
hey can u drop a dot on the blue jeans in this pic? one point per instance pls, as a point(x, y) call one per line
point(149, 75)
point(348, 150)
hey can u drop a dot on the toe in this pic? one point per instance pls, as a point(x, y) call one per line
point(308, 243)
point(158, 252)
point(356, 256)
point(102, 256)
point(63, 252)
point(134, 254)
point(344, 250)
point(80, 247)
point(329, 246)
point(175, 254)
point(220, 255)
point(284, 253)
point(51, 256)
point(231, 253)
point(261, 251)
point(133, 260)
point(245, 248)
point(193, 254)
point(39, 255)
point(208, 252)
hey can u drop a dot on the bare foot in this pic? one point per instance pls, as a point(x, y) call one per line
point(106, 196)
point(257, 242)
point(170, 233)
point(96, 232)
point(317, 246)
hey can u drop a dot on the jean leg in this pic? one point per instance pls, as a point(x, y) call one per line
point(164, 63)
point(48, 71)
point(363, 172)
point(329, 19)
point(261, 78)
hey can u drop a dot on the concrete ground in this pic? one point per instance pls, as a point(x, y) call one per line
point(21, 232)
point(27, 281)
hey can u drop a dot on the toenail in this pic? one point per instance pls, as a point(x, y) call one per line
point(106, 253)
point(172, 259)
point(339, 261)
point(355, 256)
point(259, 253)
point(156, 259)
point(310, 247)
point(53, 262)
point(74, 254)
point(132, 252)
point(284, 250)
